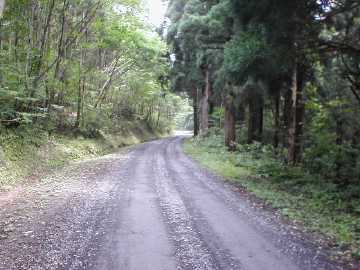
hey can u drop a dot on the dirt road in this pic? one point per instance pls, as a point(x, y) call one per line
point(150, 208)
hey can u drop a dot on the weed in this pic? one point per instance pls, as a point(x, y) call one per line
point(25, 152)
point(319, 204)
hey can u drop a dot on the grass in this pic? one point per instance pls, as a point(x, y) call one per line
point(28, 152)
point(315, 202)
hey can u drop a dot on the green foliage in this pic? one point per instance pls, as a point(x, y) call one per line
point(330, 152)
point(247, 54)
point(253, 49)
point(307, 198)
point(82, 74)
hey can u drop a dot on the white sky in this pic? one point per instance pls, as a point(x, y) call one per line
point(157, 9)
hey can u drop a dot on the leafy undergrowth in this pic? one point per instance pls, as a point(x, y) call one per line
point(320, 205)
point(28, 153)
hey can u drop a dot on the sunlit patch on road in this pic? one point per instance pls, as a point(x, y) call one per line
point(186, 133)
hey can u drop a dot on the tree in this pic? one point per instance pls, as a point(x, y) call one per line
point(75, 65)
point(261, 58)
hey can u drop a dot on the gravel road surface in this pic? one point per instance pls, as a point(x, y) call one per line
point(147, 208)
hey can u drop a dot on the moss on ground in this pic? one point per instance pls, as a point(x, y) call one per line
point(317, 203)
point(28, 153)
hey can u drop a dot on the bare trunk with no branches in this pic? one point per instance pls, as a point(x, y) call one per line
point(230, 121)
point(204, 105)
point(297, 116)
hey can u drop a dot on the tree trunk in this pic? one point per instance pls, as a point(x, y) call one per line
point(58, 75)
point(339, 142)
point(277, 120)
point(159, 114)
point(297, 117)
point(204, 105)
point(230, 122)
point(38, 63)
point(286, 119)
point(196, 111)
point(79, 101)
point(80, 89)
point(107, 84)
point(256, 114)
point(354, 155)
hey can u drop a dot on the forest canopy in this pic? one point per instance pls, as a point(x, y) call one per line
point(280, 73)
point(81, 65)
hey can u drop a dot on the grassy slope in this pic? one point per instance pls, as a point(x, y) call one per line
point(308, 199)
point(29, 153)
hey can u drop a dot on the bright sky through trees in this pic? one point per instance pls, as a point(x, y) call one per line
point(157, 10)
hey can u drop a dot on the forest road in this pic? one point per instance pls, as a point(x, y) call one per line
point(147, 208)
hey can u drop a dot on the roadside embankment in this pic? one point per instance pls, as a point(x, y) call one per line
point(28, 154)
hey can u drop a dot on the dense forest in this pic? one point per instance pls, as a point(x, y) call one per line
point(280, 73)
point(284, 73)
point(81, 66)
